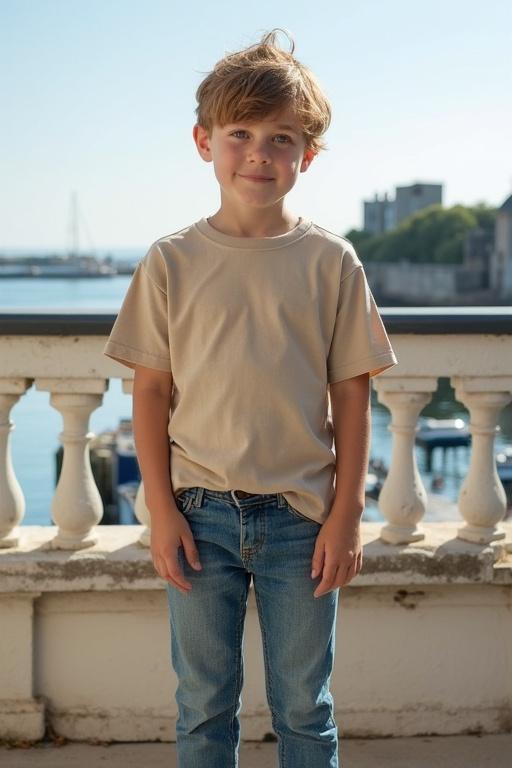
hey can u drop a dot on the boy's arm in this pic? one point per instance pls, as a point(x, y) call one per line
point(169, 529)
point(337, 557)
point(351, 418)
point(151, 404)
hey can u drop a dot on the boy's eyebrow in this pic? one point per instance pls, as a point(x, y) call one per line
point(283, 127)
point(287, 128)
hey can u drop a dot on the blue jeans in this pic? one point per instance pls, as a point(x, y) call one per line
point(262, 536)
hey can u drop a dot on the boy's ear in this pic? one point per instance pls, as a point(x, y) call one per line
point(202, 142)
point(308, 158)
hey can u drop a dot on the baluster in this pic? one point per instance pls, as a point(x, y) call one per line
point(482, 498)
point(403, 498)
point(12, 500)
point(76, 506)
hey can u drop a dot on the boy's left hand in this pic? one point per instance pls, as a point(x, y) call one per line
point(338, 555)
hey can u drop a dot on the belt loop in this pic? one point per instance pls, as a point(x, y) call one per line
point(198, 497)
point(281, 501)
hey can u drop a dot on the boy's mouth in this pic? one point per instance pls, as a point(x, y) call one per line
point(257, 178)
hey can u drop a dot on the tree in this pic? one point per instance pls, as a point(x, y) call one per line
point(433, 235)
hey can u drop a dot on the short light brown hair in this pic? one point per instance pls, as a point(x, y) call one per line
point(259, 81)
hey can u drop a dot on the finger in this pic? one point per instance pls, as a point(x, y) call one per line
point(176, 575)
point(177, 586)
point(327, 581)
point(159, 564)
point(190, 550)
point(171, 570)
point(317, 562)
point(353, 570)
point(350, 573)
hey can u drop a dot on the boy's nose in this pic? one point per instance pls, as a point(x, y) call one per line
point(258, 156)
point(259, 160)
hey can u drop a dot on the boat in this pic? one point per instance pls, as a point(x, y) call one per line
point(441, 433)
point(72, 264)
point(54, 265)
point(445, 433)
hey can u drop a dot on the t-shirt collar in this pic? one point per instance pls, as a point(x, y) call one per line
point(253, 243)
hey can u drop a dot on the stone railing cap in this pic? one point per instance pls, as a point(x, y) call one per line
point(119, 562)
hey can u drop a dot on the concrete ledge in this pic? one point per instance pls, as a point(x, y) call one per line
point(119, 562)
point(30, 712)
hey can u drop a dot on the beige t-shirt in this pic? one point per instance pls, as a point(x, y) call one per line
point(253, 330)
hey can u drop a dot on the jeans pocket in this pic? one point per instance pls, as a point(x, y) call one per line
point(299, 515)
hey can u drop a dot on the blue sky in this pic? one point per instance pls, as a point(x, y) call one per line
point(98, 97)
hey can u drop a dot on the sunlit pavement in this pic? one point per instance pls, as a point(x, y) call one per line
point(419, 752)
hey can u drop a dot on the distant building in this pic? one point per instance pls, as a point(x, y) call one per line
point(484, 276)
point(410, 200)
point(501, 263)
point(473, 274)
point(381, 215)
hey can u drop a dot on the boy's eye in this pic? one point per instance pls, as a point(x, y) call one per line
point(283, 139)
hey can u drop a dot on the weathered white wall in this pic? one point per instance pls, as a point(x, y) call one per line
point(423, 640)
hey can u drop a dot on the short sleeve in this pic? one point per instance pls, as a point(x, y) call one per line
point(140, 332)
point(360, 343)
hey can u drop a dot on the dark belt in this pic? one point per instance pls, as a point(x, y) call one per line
point(243, 494)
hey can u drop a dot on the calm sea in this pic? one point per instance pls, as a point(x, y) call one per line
point(34, 459)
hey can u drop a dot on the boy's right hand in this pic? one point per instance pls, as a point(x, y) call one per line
point(168, 532)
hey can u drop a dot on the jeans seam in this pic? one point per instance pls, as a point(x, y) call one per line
point(268, 676)
point(233, 710)
point(238, 686)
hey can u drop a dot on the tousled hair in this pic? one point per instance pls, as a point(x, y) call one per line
point(259, 81)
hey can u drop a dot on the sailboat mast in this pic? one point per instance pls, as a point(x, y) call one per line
point(74, 224)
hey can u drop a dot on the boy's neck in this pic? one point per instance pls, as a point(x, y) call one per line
point(252, 224)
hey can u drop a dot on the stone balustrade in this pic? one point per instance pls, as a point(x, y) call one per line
point(476, 356)
point(83, 633)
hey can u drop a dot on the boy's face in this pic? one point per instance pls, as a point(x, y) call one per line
point(257, 163)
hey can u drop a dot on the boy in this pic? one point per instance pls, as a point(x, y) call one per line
point(238, 327)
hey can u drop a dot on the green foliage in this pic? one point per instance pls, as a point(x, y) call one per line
point(433, 235)
point(485, 216)
point(357, 236)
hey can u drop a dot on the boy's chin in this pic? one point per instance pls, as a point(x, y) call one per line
point(261, 202)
